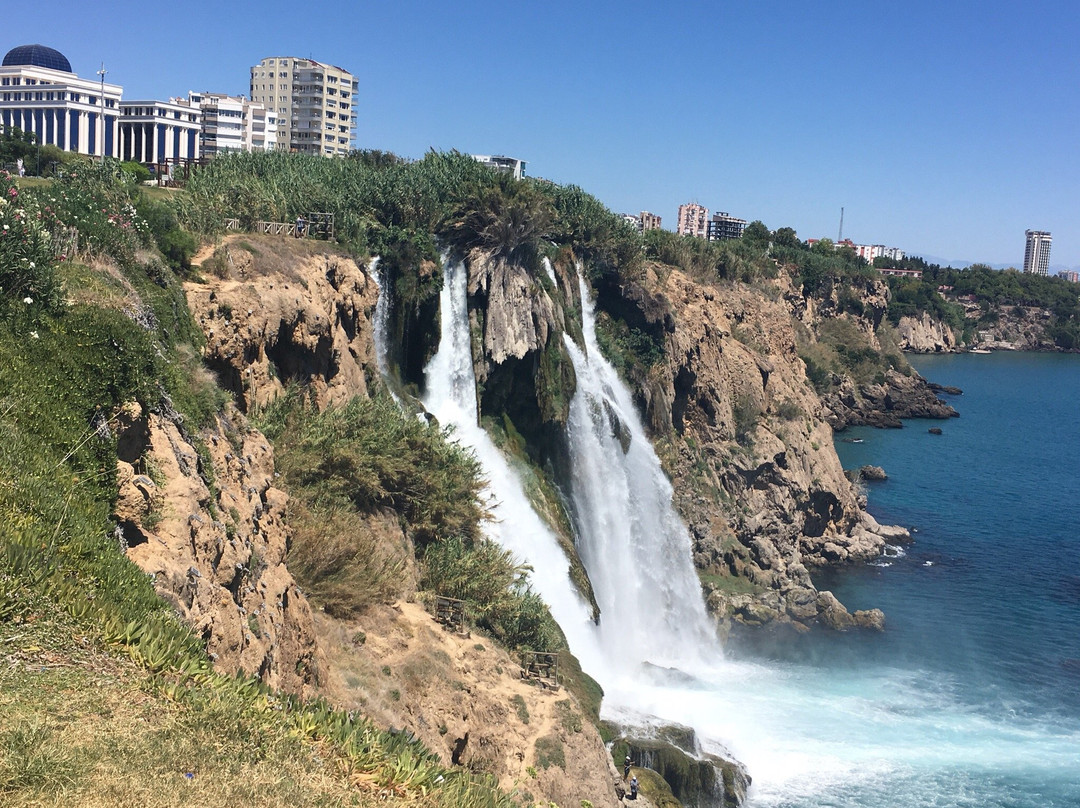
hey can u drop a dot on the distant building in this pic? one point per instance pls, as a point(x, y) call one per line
point(693, 220)
point(723, 227)
point(1070, 275)
point(511, 165)
point(902, 273)
point(1037, 252)
point(40, 94)
point(315, 104)
point(649, 221)
point(867, 252)
point(632, 220)
point(233, 123)
point(159, 131)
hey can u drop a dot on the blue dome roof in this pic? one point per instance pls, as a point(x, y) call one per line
point(38, 56)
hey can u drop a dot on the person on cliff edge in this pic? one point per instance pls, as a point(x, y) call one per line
point(633, 787)
point(626, 768)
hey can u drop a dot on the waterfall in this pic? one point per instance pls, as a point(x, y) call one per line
point(382, 316)
point(451, 397)
point(633, 544)
point(867, 736)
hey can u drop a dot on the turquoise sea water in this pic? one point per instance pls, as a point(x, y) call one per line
point(970, 698)
point(983, 607)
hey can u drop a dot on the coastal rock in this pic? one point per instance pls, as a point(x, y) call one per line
point(885, 405)
point(872, 473)
point(696, 779)
point(923, 334)
point(934, 430)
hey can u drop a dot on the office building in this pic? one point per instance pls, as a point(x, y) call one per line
point(723, 226)
point(40, 94)
point(693, 220)
point(1037, 252)
point(315, 104)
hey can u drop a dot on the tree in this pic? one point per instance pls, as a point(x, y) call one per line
point(756, 234)
point(786, 237)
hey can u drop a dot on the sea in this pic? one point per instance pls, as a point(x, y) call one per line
point(971, 695)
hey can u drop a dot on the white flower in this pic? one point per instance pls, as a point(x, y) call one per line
point(5, 227)
point(34, 334)
point(32, 265)
point(28, 300)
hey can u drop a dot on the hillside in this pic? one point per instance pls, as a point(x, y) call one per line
point(222, 420)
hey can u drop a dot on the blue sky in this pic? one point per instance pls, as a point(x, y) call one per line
point(943, 128)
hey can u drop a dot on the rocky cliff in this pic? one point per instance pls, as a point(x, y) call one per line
point(203, 518)
point(923, 334)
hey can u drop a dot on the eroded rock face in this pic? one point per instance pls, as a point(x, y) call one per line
point(217, 555)
point(465, 699)
point(923, 334)
point(293, 315)
point(743, 437)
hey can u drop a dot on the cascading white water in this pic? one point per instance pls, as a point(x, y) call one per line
point(809, 735)
point(382, 316)
point(633, 544)
point(451, 397)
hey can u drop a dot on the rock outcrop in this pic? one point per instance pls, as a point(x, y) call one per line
point(883, 405)
point(923, 334)
point(285, 312)
point(208, 525)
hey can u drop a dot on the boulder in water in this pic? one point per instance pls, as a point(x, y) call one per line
point(873, 473)
point(935, 430)
point(694, 780)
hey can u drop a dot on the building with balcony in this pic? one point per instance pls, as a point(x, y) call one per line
point(40, 94)
point(233, 123)
point(1037, 252)
point(510, 165)
point(723, 226)
point(648, 221)
point(315, 104)
point(693, 220)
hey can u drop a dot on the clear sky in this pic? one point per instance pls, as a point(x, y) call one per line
point(944, 128)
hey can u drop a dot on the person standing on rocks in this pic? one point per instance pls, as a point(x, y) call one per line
point(633, 787)
point(626, 768)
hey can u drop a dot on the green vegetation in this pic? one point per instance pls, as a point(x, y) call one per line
point(992, 290)
point(78, 341)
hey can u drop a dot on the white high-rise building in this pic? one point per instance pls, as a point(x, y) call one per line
point(315, 104)
point(233, 123)
point(1037, 252)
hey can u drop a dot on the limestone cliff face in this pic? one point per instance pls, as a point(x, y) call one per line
point(217, 551)
point(521, 363)
point(284, 312)
point(923, 334)
point(742, 435)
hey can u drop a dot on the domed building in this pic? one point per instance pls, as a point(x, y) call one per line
point(40, 94)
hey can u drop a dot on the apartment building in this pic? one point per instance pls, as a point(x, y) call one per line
point(509, 165)
point(315, 104)
point(648, 221)
point(693, 220)
point(233, 123)
point(724, 226)
point(1037, 252)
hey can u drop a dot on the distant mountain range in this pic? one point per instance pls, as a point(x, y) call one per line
point(960, 263)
